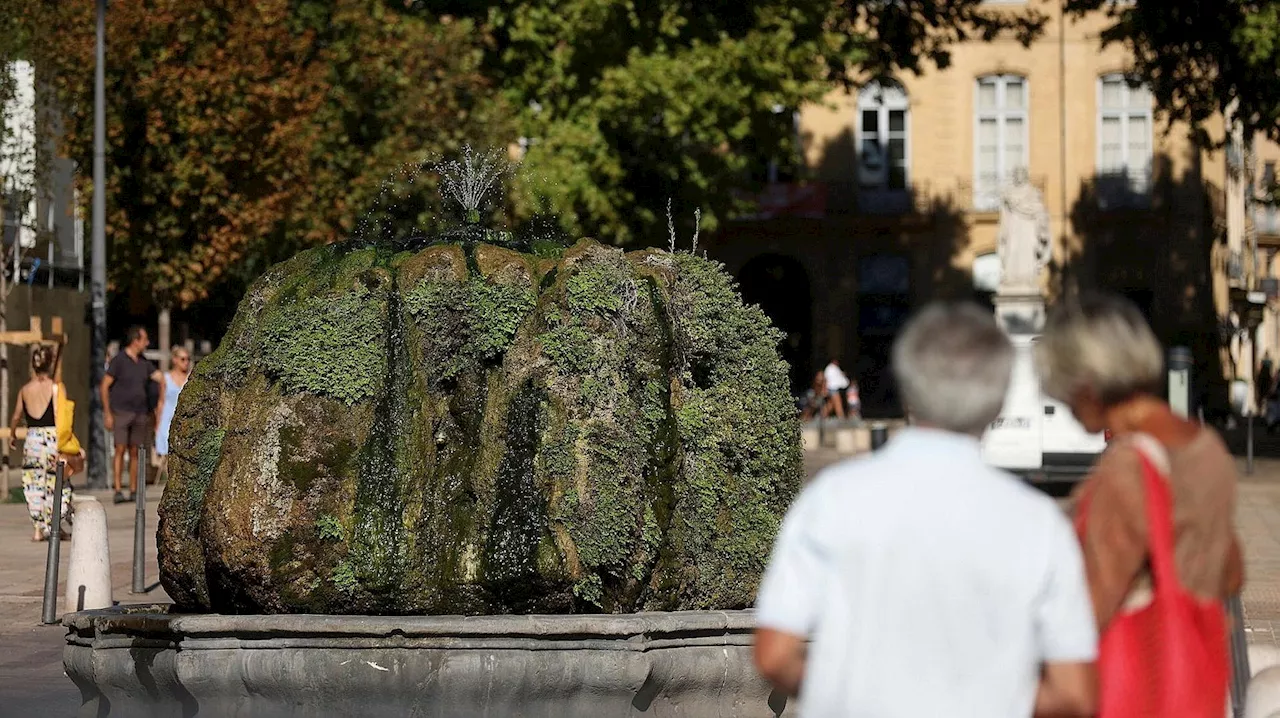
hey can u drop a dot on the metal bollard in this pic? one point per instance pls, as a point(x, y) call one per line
point(50, 614)
point(879, 436)
point(140, 525)
point(1240, 672)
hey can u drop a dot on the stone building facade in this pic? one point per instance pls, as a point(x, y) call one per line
point(894, 203)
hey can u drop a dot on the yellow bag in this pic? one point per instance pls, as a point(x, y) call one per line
point(64, 412)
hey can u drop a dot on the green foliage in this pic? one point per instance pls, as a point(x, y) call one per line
point(915, 35)
point(628, 104)
point(344, 578)
point(1200, 58)
point(591, 590)
point(598, 288)
point(242, 131)
point(467, 324)
point(738, 431)
point(328, 345)
point(329, 528)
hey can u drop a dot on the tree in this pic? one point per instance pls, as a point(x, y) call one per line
point(1202, 58)
point(623, 105)
point(242, 130)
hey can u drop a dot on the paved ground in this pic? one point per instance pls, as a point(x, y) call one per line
point(32, 682)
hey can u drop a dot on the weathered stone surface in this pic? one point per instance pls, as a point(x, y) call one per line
point(470, 430)
point(143, 661)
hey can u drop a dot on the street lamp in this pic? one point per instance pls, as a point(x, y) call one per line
point(98, 450)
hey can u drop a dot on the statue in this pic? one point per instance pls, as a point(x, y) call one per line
point(1024, 236)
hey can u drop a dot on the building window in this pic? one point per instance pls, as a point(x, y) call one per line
point(1124, 143)
point(1001, 136)
point(883, 151)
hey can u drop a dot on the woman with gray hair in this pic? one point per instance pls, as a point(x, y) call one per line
point(1160, 475)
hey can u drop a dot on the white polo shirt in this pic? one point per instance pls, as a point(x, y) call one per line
point(928, 583)
point(836, 379)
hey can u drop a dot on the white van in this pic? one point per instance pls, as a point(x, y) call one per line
point(1035, 436)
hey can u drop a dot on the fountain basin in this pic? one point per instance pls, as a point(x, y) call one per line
point(145, 660)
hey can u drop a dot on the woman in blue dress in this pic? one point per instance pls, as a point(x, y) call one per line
point(174, 380)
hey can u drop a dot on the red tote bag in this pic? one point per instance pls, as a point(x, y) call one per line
point(1168, 659)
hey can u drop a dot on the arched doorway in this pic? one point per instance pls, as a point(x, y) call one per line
point(780, 286)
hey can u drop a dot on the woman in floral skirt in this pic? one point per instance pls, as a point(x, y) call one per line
point(36, 405)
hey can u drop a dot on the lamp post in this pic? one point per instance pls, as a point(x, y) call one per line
point(98, 450)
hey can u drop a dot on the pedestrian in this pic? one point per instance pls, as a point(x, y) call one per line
point(853, 399)
point(815, 399)
point(37, 406)
point(837, 382)
point(174, 381)
point(920, 581)
point(1154, 517)
point(126, 407)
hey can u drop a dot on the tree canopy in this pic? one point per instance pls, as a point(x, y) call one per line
point(623, 105)
point(242, 130)
point(1201, 59)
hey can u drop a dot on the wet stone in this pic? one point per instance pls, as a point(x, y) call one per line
point(466, 429)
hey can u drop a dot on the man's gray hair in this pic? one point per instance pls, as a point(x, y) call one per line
point(1102, 344)
point(953, 365)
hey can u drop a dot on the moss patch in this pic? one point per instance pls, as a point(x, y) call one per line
point(328, 345)
point(469, 324)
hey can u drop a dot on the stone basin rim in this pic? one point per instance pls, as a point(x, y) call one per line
point(157, 620)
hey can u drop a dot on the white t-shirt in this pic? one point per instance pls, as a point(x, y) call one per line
point(836, 379)
point(928, 583)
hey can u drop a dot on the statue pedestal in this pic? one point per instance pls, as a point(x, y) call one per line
point(1020, 312)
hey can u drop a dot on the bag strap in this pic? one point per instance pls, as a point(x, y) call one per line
point(1158, 499)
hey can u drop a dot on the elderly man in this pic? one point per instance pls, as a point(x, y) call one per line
point(920, 581)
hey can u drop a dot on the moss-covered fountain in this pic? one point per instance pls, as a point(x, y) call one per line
point(457, 479)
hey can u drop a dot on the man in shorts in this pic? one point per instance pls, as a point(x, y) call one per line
point(126, 406)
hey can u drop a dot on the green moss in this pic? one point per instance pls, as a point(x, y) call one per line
point(738, 431)
point(344, 578)
point(604, 526)
point(568, 347)
point(208, 456)
point(467, 324)
point(590, 590)
point(597, 288)
point(328, 345)
point(329, 528)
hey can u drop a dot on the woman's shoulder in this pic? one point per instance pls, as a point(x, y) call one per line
point(1120, 463)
